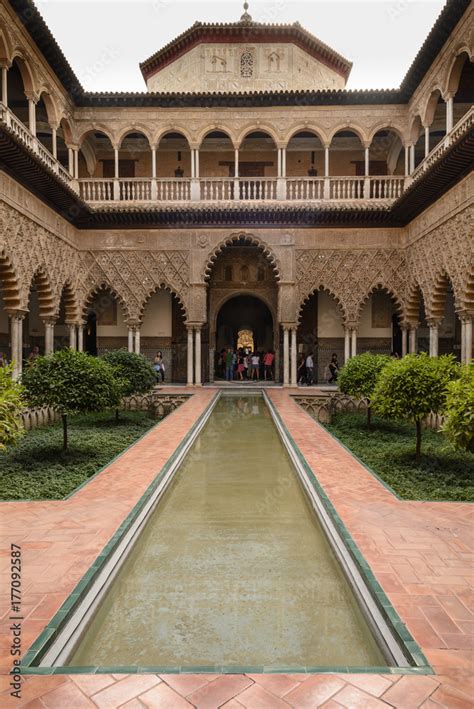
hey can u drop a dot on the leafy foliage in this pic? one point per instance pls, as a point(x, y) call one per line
point(442, 474)
point(38, 469)
point(72, 382)
point(359, 376)
point(134, 369)
point(459, 410)
point(11, 407)
point(410, 388)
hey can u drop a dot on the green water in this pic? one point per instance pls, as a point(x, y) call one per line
point(232, 568)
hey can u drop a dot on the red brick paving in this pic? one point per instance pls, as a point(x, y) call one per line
point(421, 554)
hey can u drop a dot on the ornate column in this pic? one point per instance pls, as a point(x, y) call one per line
point(427, 141)
point(190, 354)
point(32, 101)
point(449, 114)
point(293, 377)
point(131, 338)
point(286, 356)
point(347, 344)
point(80, 337)
point(404, 329)
point(72, 335)
point(434, 337)
point(16, 341)
point(412, 338)
point(354, 342)
point(197, 356)
point(5, 85)
point(49, 337)
point(468, 341)
point(137, 340)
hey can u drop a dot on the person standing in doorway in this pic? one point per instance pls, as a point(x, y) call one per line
point(255, 359)
point(309, 369)
point(229, 364)
point(268, 364)
point(333, 368)
point(159, 367)
point(302, 370)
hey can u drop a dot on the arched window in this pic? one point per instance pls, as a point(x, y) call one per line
point(246, 64)
point(228, 273)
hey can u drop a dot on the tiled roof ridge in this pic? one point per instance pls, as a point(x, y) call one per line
point(246, 26)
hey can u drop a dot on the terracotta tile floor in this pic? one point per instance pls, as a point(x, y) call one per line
point(421, 553)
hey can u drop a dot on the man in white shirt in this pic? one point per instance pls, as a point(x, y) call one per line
point(309, 369)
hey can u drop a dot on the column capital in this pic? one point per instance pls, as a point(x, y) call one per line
point(16, 314)
point(50, 321)
point(32, 96)
point(465, 316)
point(433, 322)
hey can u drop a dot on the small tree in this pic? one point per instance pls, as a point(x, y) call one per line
point(359, 376)
point(72, 382)
point(412, 387)
point(11, 407)
point(136, 372)
point(459, 410)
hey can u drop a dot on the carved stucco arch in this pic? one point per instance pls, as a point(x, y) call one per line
point(164, 287)
point(383, 125)
point(46, 298)
point(259, 127)
point(437, 301)
point(217, 306)
point(454, 69)
point(50, 104)
point(96, 128)
point(68, 292)
point(380, 285)
point(349, 126)
point(330, 291)
point(105, 286)
point(9, 286)
point(202, 135)
point(5, 46)
point(158, 137)
point(135, 128)
point(249, 238)
point(309, 128)
point(28, 74)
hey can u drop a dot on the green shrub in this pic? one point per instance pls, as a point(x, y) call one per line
point(359, 376)
point(11, 406)
point(412, 387)
point(72, 382)
point(134, 369)
point(459, 410)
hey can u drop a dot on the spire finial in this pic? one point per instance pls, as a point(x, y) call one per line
point(246, 17)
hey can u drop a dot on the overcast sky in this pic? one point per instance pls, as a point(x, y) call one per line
point(105, 40)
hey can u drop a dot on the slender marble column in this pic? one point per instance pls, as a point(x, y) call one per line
point(354, 343)
point(286, 357)
point(293, 378)
point(137, 340)
point(197, 349)
point(190, 356)
point(347, 344)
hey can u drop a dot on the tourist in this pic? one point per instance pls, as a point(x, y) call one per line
point(333, 368)
point(309, 364)
point(268, 365)
point(302, 370)
point(159, 367)
point(3, 360)
point(33, 356)
point(221, 364)
point(255, 364)
point(240, 366)
point(229, 366)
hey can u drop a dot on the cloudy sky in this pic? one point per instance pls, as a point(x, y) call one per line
point(104, 40)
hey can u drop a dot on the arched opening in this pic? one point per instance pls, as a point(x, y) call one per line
point(461, 84)
point(40, 308)
point(43, 127)
point(17, 101)
point(435, 118)
point(379, 324)
point(305, 155)
point(320, 332)
point(244, 324)
point(96, 156)
point(67, 315)
point(9, 298)
point(243, 295)
point(173, 156)
point(346, 154)
point(415, 313)
point(386, 154)
point(418, 141)
point(105, 325)
point(5, 345)
point(217, 166)
point(63, 138)
point(443, 310)
point(163, 330)
point(135, 156)
point(258, 166)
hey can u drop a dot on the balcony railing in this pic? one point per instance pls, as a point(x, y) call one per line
point(225, 189)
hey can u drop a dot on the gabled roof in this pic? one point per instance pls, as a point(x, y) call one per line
point(247, 32)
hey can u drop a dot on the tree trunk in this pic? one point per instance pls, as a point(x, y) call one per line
point(64, 420)
point(369, 415)
point(418, 441)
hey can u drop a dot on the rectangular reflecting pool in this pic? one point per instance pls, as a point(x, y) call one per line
point(232, 567)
